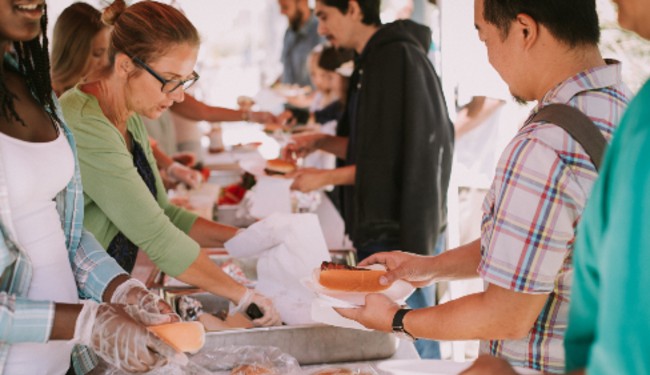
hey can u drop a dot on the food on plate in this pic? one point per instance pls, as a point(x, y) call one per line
point(231, 194)
point(183, 336)
point(350, 279)
point(279, 167)
point(252, 370)
point(234, 193)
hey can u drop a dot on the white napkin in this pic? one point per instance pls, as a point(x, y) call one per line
point(271, 195)
point(289, 247)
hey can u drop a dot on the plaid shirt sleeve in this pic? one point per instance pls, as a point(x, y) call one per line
point(23, 320)
point(529, 217)
point(93, 267)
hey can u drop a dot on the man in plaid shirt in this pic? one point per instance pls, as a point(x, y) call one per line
point(545, 51)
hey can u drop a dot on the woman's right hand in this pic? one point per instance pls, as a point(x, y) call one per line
point(114, 335)
point(271, 316)
point(405, 266)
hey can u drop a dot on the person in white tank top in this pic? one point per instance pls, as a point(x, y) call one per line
point(47, 260)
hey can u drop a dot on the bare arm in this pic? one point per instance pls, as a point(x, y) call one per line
point(196, 110)
point(65, 314)
point(205, 274)
point(210, 234)
point(310, 179)
point(497, 313)
point(334, 145)
point(475, 113)
point(419, 270)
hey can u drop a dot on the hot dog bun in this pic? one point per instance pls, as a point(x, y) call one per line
point(251, 370)
point(360, 280)
point(279, 166)
point(183, 336)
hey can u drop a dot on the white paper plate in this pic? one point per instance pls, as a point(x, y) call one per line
point(433, 367)
point(422, 367)
point(398, 292)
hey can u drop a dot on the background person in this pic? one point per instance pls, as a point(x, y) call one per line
point(153, 51)
point(548, 52)
point(80, 54)
point(47, 260)
point(299, 39)
point(403, 146)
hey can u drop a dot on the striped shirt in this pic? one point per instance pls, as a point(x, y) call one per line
point(24, 320)
point(531, 211)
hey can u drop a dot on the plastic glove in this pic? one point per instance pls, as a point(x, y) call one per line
point(271, 316)
point(153, 310)
point(188, 176)
point(121, 341)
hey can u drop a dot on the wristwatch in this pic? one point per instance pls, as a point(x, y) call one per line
point(398, 325)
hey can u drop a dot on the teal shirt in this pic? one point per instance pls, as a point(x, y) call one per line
point(609, 316)
point(116, 197)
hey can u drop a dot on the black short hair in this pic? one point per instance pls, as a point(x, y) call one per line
point(369, 8)
point(574, 22)
point(331, 58)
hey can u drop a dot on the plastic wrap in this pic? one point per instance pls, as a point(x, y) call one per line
point(350, 369)
point(223, 361)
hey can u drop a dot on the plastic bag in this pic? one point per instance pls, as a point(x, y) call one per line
point(227, 358)
point(341, 370)
point(222, 361)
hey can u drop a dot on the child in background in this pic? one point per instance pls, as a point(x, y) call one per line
point(330, 83)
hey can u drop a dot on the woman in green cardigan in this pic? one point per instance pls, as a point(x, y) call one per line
point(152, 53)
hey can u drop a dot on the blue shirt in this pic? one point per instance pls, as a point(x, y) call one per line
point(296, 47)
point(25, 320)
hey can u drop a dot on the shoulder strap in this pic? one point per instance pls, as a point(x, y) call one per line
point(578, 125)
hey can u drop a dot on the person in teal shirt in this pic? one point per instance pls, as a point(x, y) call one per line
point(609, 316)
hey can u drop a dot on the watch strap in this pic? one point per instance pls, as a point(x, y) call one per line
point(398, 322)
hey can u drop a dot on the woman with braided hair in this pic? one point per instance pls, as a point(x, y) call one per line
point(47, 261)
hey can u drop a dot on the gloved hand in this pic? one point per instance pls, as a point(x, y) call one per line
point(118, 339)
point(178, 172)
point(152, 310)
point(271, 316)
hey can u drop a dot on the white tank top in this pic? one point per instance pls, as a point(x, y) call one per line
point(36, 172)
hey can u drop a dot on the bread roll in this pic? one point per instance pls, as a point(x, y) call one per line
point(183, 336)
point(361, 280)
point(279, 166)
point(252, 370)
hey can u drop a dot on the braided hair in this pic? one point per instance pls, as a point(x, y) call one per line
point(34, 64)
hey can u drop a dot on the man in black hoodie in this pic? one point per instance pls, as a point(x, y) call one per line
point(395, 138)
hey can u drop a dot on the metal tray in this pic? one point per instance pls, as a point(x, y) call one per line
point(313, 343)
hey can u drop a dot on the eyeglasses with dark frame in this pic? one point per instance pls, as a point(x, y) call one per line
point(168, 85)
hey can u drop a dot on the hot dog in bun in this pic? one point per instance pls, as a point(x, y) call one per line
point(350, 279)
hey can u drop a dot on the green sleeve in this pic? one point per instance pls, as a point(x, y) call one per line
point(182, 219)
point(116, 194)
